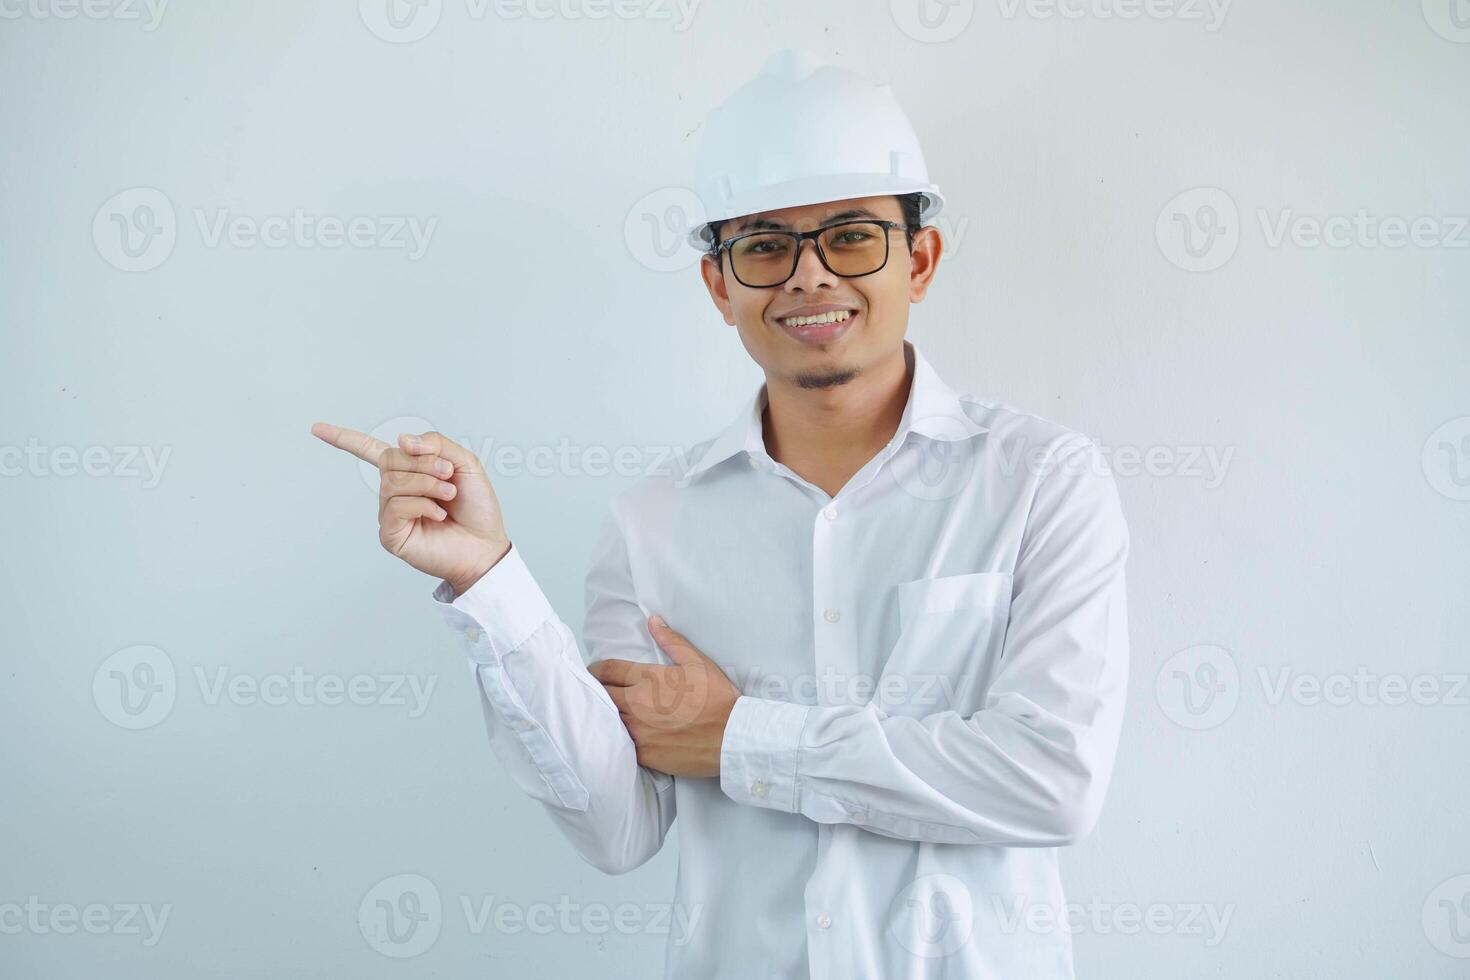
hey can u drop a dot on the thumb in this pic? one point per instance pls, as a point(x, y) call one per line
point(674, 643)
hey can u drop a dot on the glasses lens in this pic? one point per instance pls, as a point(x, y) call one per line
point(763, 260)
point(855, 249)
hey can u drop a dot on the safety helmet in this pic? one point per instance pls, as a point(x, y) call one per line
point(804, 132)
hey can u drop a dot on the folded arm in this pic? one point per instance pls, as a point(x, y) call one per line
point(1032, 766)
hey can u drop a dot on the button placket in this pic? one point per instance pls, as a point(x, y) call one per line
point(832, 620)
point(834, 654)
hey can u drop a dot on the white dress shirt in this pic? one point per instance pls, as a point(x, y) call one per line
point(933, 666)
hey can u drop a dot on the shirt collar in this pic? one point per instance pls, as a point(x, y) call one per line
point(933, 410)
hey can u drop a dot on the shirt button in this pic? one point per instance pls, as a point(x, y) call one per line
point(830, 513)
point(473, 635)
point(758, 789)
point(824, 921)
point(831, 615)
point(755, 464)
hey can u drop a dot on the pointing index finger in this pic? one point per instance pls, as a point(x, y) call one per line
point(359, 444)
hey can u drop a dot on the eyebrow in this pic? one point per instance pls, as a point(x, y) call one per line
point(766, 224)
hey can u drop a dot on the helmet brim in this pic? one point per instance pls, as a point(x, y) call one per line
point(816, 190)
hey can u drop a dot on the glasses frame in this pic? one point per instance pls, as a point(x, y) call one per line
point(815, 237)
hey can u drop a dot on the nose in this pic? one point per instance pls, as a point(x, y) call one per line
point(810, 273)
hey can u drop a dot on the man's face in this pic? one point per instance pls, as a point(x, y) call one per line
point(877, 305)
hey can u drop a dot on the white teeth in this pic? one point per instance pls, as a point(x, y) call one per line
point(837, 316)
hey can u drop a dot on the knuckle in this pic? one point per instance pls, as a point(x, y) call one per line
point(398, 482)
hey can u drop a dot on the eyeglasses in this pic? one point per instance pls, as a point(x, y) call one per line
point(848, 249)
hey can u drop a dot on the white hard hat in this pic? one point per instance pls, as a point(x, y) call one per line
point(805, 132)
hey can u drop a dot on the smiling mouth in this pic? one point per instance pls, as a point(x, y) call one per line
point(820, 319)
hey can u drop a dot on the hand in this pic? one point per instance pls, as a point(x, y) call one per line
point(675, 715)
point(458, 540)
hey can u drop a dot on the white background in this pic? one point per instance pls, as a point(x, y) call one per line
point(549, 306)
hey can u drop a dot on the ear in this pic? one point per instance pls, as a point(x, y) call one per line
point(924, 261)
point(714, 280)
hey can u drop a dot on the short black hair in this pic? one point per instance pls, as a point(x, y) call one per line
point(911, 204)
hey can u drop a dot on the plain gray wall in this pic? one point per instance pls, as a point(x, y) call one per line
point(1326, 544)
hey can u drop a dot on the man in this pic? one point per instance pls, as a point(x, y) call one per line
point(871, 647)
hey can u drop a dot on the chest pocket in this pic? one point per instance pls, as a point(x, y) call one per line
point(950, 634)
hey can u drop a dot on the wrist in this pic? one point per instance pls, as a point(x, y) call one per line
point(494, 552)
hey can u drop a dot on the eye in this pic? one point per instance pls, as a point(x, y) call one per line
point(766, 246)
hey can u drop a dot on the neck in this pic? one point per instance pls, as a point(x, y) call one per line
point(826, 434)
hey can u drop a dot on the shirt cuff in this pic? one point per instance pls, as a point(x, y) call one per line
point(500, 611)
point(761, 751)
